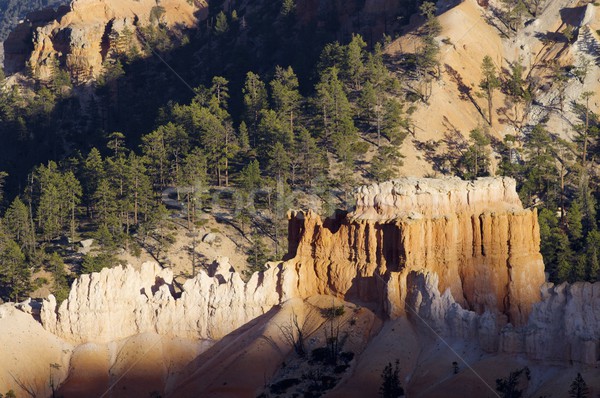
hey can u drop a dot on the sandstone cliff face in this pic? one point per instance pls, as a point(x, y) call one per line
point(485, 254)
point(475, 235)
point(564, 326)
point(78, 36)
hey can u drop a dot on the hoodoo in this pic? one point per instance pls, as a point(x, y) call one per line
point(475, 235)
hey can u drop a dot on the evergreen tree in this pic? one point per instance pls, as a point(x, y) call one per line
point(19, 225)
point(386, 163)
point(354, 66)
point(288, 7)
point(574, 218)
point(578, 388)
point(509, 387)
point(477, 158)
point(3, 176)
point(194, 179)
point(73, 192)
point(564, 256)
point(258, 255)
point(592, 254)
point(488, 84)
point(250, 178)
point(255, 100)
point(279, 162)
point(540, 171)
point(221, 24)
point(92, 172)
point(14, 273)
point(285, 95)
point(335, 115)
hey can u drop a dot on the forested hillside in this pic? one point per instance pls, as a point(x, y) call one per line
point(264, 108)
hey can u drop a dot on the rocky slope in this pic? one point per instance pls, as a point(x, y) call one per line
point(439, 257)
point(79, 37)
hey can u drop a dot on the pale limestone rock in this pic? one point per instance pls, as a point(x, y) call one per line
point(417, 198)
point(564, 326)
point(121, 302)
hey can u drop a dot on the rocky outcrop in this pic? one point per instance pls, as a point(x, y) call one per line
point(121, 302)
point(475, 236)
point(564, 326)
point(485, 254)
point(81, 36)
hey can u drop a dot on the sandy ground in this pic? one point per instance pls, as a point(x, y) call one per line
point(27, 352)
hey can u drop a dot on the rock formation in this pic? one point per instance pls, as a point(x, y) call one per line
point(475, 236)
point(120, 302)
point(79, 36)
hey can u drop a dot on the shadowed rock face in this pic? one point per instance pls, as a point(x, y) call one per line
point(485, 255)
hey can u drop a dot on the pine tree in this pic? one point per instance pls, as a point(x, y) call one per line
point(221, 24)
point(19, 226)
point(14, 273)
point(354, 66)
point(285, 95)
point(488, 84)
point(250, 178)
point(3, 176)
point(574, 218)
point(509, 387)
point(592, 253)
point(336, 117)
point(564, 256)
point(288, 7)
point(255, 100)
point(279, 162)
point(578, 388)
point(194, 179)
point(258, 255)
point(73, 192)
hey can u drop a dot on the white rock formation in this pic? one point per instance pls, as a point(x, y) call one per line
point(564, 326)
point(420, 197)
point(120, 302)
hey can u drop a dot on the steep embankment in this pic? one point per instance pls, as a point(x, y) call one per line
point(468, 33)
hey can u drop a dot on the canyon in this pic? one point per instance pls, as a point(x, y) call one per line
point(424, 257)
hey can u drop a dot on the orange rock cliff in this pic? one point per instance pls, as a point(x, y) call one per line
point(475, 236)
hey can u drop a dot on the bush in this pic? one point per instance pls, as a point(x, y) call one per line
point(333, 312)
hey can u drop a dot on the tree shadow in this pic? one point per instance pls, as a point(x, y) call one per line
point(466, 92)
